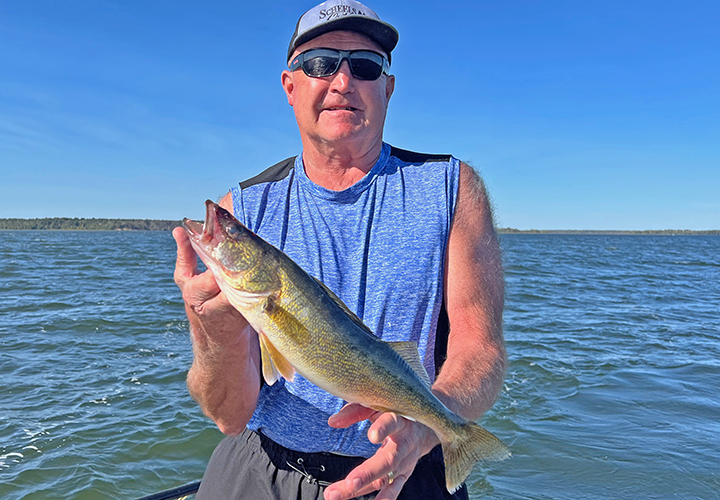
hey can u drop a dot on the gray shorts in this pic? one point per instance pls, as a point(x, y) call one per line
point(253, 467)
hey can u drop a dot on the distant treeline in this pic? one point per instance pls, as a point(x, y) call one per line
point(82, 224)
point(509, 230)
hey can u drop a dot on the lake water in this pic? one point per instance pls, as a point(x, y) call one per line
point(612, 390)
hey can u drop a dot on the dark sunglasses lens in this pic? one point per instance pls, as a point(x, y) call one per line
point(320, 65)
point(366, 65)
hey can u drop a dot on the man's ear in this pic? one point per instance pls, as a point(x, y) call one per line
point(389, 86)
point(288, 85)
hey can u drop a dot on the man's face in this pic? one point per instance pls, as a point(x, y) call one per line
point(340, 108)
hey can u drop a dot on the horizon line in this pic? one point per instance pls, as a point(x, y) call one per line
point(502, 230)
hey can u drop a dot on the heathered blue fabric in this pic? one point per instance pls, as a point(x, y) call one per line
point(380, 246)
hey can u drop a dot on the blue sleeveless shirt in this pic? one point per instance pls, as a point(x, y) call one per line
point(380, 246)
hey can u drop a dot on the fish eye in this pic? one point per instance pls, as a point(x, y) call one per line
point(233, 230)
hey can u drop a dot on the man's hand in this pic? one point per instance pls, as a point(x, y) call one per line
point(207, 308)
point(403, 443)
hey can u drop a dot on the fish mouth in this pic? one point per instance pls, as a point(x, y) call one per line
point(209, 234)
point(194, 229)
point(220, 242)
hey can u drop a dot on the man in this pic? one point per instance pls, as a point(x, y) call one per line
point(405, 240)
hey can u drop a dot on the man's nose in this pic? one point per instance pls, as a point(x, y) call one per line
point(343, 79)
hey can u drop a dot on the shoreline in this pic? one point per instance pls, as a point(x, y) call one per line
point(83, 224)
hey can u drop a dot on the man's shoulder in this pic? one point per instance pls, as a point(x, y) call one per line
point(276, 173)
point(407, 156)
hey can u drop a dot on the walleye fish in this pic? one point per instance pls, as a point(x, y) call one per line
point(305, 328)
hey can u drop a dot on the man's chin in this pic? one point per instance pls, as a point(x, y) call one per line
point(341, 132)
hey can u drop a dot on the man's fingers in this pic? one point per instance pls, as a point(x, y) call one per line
point(371, 475)
point(387, 490)
point(196, 288)
point(392, 491)
point(186, 263)
point(385, 425)
point(350, 414)
point(403, 443)
point(203, 288)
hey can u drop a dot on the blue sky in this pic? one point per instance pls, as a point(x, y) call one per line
point(579, 115)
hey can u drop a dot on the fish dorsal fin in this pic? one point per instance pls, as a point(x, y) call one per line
point(344, 307)
point(274, 364)
point(409, 352)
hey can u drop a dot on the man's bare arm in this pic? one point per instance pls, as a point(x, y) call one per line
point(225, 375)
point(472, 375)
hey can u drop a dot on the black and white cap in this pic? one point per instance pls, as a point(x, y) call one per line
point(347, 15)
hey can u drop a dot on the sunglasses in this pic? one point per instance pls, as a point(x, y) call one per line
point(364, 64)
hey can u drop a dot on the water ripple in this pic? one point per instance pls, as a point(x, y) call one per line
point(611, 392)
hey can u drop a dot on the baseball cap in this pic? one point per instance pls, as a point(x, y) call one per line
point(347, 15)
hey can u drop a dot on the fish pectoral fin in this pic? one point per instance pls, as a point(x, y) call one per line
point(274, 364)
point(408, 351)
point(270, 373)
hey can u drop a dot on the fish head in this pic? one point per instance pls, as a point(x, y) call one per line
point(225, 245)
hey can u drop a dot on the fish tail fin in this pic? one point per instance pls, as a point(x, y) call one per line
point(472, 444)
